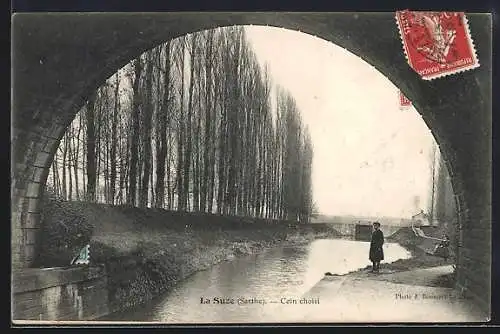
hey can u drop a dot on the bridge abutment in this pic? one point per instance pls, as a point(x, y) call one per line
point(33, 152)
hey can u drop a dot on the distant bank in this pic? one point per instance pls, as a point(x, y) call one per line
point(351, 219)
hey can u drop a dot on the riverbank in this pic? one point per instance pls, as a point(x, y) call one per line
point(419, 261)
point(419, 248)
point(417, 289)
point(148, 251)
point(354, 299)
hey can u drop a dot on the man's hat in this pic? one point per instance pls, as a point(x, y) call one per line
point(376, 223)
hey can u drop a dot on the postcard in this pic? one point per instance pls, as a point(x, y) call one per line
point(220, 168)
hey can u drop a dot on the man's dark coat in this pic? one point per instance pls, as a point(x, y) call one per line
point(376, 251)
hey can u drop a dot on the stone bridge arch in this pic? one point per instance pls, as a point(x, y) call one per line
point(59, 58)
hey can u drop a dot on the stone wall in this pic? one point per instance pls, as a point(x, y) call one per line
point(78, 293)
point(474, 262)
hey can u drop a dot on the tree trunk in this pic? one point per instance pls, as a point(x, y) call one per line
point(77, 157)
point(70, 161)
point(189, 134)
point(131, 195)
point(114, 139)
point(162, 119)
point(91, 149)
point(146, 133)
point(181, 200)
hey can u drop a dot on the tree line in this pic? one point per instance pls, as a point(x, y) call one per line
point(191, 125)
point(442, 206)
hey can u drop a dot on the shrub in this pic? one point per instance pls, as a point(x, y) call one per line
point(65, 230)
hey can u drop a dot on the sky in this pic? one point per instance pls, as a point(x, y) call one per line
point(370, 157)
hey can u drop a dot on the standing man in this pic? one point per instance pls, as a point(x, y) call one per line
point(376, 251)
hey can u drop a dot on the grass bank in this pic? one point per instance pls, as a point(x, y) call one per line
point(419, 249)
point(148, 251)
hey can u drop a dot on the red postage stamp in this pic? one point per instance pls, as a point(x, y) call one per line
point(436, 44)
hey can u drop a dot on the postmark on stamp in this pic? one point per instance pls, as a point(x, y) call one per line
point(436, 44)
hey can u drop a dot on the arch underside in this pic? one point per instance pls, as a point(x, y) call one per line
point(59, 59)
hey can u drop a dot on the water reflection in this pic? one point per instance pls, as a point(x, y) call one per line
point(286, 272)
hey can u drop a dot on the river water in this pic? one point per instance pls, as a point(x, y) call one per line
point(255, 288)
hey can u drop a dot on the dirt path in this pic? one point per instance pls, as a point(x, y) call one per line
point(355, 299)
point(434, 277)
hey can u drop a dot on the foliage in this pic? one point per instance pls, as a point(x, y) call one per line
point(191, 125)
